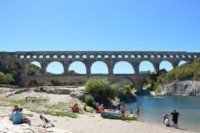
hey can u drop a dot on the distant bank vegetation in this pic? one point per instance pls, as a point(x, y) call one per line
point(189, 71)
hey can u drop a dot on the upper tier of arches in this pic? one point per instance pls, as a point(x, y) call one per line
point(100, 55)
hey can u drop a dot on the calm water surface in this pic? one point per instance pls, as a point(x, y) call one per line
point(152, 110)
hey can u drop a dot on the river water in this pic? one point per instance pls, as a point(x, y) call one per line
point(152, 110)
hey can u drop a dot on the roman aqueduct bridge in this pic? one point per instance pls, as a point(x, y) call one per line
point(110, 58)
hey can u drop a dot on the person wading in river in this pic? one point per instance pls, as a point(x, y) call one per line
point(137, 111)
point(175, 118)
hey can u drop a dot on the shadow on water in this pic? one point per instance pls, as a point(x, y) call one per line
point(152, 109)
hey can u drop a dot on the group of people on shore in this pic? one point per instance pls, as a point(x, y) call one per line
point(166, 119)
point(121, 108)
point(17, 117)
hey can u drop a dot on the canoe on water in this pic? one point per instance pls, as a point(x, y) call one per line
point(129, 117)
point(110, 115)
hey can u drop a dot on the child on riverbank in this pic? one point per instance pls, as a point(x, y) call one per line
point(167, 121)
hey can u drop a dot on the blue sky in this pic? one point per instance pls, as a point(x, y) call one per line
point(99, 25)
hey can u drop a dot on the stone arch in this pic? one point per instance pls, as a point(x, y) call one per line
point(41, 56)
point(47, 56)
point(183, 56)
point(99, 67)
point(70, 56)
point(165, 56)
point(77, 56)
point(113, 56)
point(84, 56)
point(91, 56)
point(123, 67)
point(152, 56)
point(158, 56)
point(145, 56)
point(139, 56)
point(21, 56)
point(62, 56)
point(119, 56)
point(132, 56)
point(166, 65)
point(99, 56)
point(106, 56)
point(34, 56)
point(55, 67)
point(28, 56)
point(146, 67)
point(55, 56)
point(182, 63)
point(77, 67)
point(171, 56)
point(126, 56)
point(34, 68)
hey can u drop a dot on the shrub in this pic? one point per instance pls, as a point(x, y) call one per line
point(5, 78)
point(89, 100)
point(101, 90)
point(126, 93)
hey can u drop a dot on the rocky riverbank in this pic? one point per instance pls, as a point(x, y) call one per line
point(60, 90)
point(185, 88)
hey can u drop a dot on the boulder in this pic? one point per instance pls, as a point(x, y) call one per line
point(77, 94)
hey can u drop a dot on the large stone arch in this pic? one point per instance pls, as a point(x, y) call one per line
point(56, 66)
point(146, 67)
point(167, 65)
point(34, 68)
point(182, 63)
point(129, 69)
point(77, 66)
point(96, 65)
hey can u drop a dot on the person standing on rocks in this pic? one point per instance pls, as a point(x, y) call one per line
point(175, 115)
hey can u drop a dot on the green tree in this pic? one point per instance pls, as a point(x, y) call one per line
point(101, 90)
point(5, 78)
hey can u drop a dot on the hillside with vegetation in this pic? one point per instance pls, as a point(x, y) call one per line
point(10, 73)
point(186, 72)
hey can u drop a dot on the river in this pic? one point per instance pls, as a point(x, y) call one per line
point(152, 110)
